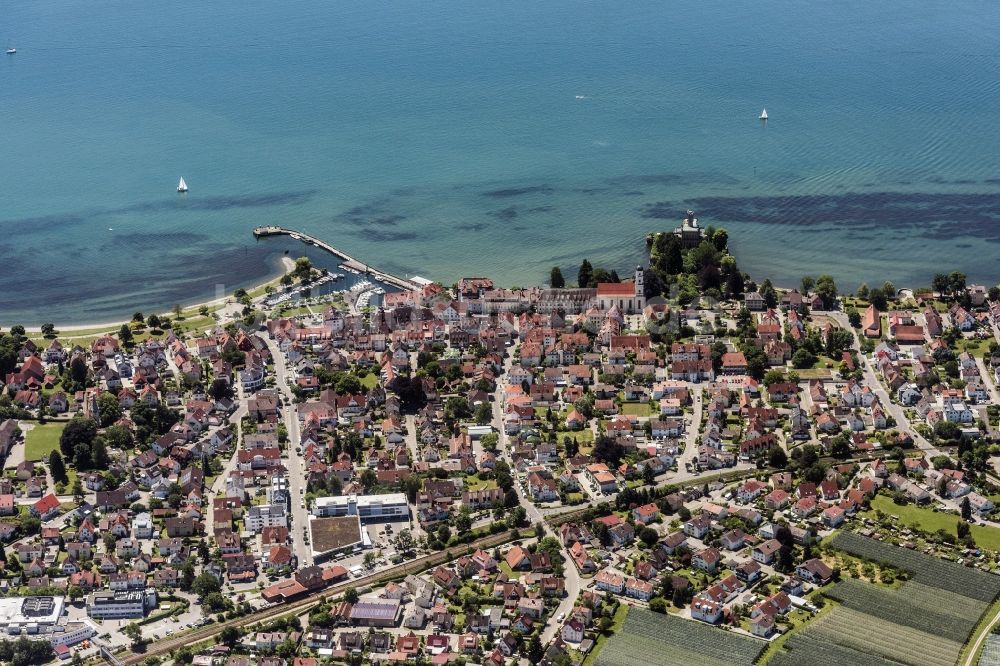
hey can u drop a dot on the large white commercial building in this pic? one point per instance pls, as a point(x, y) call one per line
point(392, 506)
point(42, 618)
point(122, 604)
point(72, 633)
point(30, 615)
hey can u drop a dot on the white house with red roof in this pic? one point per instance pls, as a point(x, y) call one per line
point(626, 296)
point(46, 508)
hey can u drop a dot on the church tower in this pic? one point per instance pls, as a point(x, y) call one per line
point(640, 290)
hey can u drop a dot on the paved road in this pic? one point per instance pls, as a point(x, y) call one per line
point(219, 485)
point(535, 516)
point(690, 453)
point(296, 468)
point(987, 376)
point(871, 378)
point(411, 438)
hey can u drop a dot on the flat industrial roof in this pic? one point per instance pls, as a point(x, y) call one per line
point(21, 610)
point(362, 500)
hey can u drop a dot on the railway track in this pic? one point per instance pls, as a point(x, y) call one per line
point(192, 637)
point(168, 645)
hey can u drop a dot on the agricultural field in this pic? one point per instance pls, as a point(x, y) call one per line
point(803, 650)
point(924, 622)
point(991, 651)
point(924, 569)
point(887, 641)
point(652, 639)
point(914, 605)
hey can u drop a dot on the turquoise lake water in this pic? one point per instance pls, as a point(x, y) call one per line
point(463, 137)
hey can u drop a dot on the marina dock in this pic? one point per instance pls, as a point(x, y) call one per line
point(349, 262)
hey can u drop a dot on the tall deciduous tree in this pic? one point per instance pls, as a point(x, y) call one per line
point(109, 408)
point(807, 283)
point(80, 430)
point(826, 288)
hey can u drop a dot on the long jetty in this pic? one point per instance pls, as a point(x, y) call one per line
point(348, 260)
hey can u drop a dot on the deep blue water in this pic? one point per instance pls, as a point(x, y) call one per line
point(465, 137)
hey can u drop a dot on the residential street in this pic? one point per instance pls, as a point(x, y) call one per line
point(872, 380)
point(571, 575)
point(298, 513)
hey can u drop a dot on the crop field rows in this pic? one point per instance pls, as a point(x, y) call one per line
point(652, 639)
point(914, 605)
point(924, 622)
point(811, 651)
point(882, 638)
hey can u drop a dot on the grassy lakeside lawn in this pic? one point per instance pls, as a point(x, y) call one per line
point(190, 319)
point(932, 521)
point(295, 311)
point(42, 440)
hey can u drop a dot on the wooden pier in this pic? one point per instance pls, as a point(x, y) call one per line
point(348, 260)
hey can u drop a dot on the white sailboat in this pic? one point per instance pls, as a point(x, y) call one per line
point(182, 186)
point(11, 51)
point(763, 114)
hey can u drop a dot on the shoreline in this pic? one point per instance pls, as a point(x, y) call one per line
point(287, 264)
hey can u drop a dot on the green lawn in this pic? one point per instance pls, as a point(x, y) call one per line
point(196, 322)
point(822, 360)
point(582, 437)
point(370, 380)
point(41, 440)
point(635, 409)
point(975, 347)
point(814, 373)
point(932, 521)
point(475, 483)
point(619, 621)
point(294, 312)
